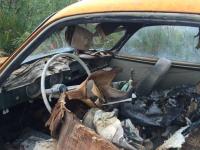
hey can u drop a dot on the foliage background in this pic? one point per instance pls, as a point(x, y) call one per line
point(18, 18)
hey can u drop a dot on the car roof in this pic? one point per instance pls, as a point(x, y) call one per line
point(100, 6)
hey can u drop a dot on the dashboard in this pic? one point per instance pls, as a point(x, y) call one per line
point(24, 83)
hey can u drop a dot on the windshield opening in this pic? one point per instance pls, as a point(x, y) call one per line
point(83, 37)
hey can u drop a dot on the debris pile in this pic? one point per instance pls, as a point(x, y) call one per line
point(161, 120)
point(164, 108)
point(160, 114)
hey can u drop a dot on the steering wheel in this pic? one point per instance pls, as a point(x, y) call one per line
point(45, 91)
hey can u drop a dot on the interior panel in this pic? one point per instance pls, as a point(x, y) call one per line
point(175, 76)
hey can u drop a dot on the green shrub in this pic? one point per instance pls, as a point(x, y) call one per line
point(18, 18)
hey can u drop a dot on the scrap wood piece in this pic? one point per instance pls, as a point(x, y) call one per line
point(75, 136)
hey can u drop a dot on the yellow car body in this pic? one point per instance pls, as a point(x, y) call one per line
point(106, 6)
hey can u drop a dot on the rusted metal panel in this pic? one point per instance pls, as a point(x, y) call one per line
point(71, 134)
point(75, 136)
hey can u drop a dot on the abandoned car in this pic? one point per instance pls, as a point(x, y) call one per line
point(106, 75)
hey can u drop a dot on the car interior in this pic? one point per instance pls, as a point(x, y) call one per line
point(112, 77)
